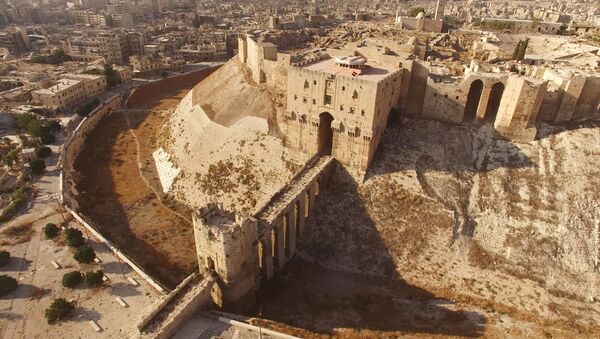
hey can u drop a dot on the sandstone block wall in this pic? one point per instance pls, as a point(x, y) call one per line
point(519, 108)
point(74, 144)
point(226, 244)
point(153, 88)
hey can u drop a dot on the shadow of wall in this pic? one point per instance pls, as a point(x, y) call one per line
point(347, 278)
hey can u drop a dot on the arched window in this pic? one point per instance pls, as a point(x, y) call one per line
point(306, 84)
point(355, 95)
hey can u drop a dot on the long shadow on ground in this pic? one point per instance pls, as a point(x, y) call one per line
point(325, 300)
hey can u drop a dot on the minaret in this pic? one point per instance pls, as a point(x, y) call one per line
point(437, 8)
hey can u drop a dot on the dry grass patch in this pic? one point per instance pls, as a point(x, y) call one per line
point(17, 234)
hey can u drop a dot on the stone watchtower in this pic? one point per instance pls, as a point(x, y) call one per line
point(226, 244)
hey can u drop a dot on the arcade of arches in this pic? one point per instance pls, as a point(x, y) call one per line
point(483, 102)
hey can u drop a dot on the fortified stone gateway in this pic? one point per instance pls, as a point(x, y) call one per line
point(246, 251)
point(338, 106)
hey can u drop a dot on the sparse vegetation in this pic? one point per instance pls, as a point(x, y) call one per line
point(84, 255)
point(7, 284)
point(58, 56)
point(38, 166)
point(18, 198)
point(50, 231)
point(4, 258)
point(87, 108)
point(37, 127)
point(416, 10)
point(58, 310)
point(72, 279)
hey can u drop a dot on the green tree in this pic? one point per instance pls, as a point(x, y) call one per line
point(4, 258)
point(523, 49)
point(47, 138)
point(9, 158)
point(112, 79)
point(35, 128)
point(52, 126)
point(84, 255)
point(73, 237)
point(7, 284)
point(59, 56)
point(23, 120)
point(51, 231)
point(416, 10)
point(37, 166)
point(58, 310)
point(38, 59)
point(515, 55)
point(93, 71)
point(72, 279)
point(43, 151)
point(94, 279)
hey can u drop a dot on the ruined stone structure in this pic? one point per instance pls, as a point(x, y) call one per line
point(266, 64)
point(538, 93)
point(245, 251)
point(420, 23)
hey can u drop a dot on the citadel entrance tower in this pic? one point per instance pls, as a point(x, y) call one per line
point(340, 106)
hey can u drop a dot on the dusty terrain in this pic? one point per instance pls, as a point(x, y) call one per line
point(226, 96)
point(224, 151)
point(22, 311)
point(127, 206)
point(454, 232)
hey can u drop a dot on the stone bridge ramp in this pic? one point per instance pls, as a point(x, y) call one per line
point(282, 221)
point(294, 189)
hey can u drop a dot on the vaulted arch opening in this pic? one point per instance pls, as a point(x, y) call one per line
point(493, 105)
point(473, 99)
point(325, 138)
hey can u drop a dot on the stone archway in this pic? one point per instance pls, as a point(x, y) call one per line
point(325, 138)
point(493, 105)
point(473, 99)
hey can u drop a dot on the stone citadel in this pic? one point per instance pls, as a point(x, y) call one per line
point(338, 104)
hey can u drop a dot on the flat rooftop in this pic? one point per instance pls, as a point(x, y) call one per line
point(370, 72)
point(59, 86)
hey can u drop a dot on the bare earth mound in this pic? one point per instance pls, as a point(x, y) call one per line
point(216, 146)
point(498, 239)
point(227, 95)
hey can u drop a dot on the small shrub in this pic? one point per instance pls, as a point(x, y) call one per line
point(94, 279)
point(47, 138)
point(37, 166)
point(43, 151)
point(72, 279)
point(51, 230)
point(7, 284)
point(73, 237)
point(4, 258)
point(58, 310)
point(84, 255)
